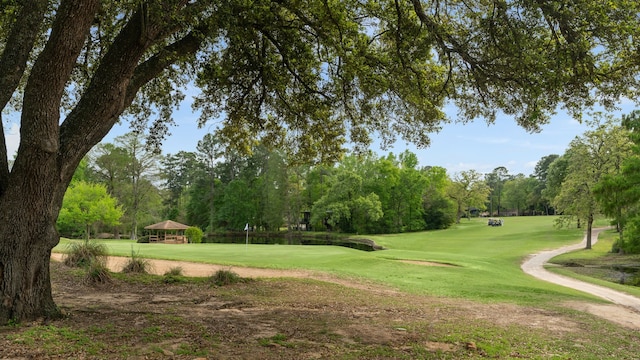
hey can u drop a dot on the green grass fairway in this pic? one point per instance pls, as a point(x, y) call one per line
point(485, 260)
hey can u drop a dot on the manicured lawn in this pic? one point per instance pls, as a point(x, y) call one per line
point(486, 260)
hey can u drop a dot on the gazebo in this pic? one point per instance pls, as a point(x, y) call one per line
point(168, 231)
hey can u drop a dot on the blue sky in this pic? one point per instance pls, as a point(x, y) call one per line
point(458, 147)
point(481, 147)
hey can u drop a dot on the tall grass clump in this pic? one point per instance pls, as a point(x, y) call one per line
point(174, 271)
point(84, 253)
point(173, 275)
point(97, 273)
point(225, 277)
point(136, 264)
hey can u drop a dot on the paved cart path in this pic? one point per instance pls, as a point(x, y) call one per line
point(626, 310)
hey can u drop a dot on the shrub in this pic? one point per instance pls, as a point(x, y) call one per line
point(136, 264)
point(143, 239)
point(194, 234)
point(174, 271)
point(97, 273)
point(631, 243)
point(225, 277)
point(84, 253)
point(173, 275)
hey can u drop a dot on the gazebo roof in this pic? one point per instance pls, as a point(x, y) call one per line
point(167, 225)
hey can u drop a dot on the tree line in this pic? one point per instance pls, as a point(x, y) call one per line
point(219, 190)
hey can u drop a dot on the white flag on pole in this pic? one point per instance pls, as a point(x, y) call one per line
point(246, 241)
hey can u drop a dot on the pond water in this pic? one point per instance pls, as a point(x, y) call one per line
point(359, 244)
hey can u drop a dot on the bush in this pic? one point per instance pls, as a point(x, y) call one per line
point(97, 273)
point(174, 271)
point(84, 253)
point(225, 277)
point(173, 275)
point(194, 234)
point(143, 239)
point(631, 242)
point(136, 264)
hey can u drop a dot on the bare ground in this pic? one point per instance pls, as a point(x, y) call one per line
point(192, 269)
point(294, 315)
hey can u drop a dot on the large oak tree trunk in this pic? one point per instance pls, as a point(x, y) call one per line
point(27, 230)
point(24, 263)
point(31, 194)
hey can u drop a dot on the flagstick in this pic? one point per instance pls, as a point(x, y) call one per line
point(246, 243)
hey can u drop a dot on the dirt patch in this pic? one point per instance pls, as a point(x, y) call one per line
point(192, 269)
point(306, 316)
point(627, 317)
point(508, 314)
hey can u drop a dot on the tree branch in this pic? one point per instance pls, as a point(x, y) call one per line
point(109, 95)
point(285, 61)
point(155, 65)
point(13, 63)
point(50, 73)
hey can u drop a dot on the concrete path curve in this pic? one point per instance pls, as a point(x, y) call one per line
point(534, 266)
